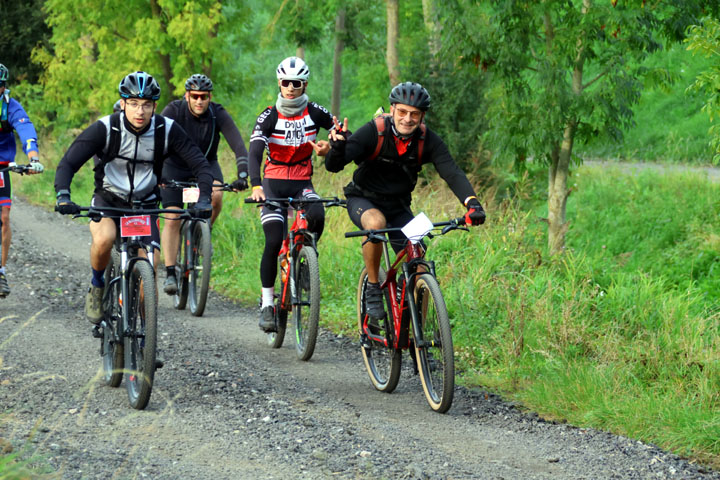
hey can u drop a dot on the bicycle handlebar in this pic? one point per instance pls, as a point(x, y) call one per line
point(225, 187)
point(450, 225)
point(277, 202)
point(125, 211)
point(13, 167)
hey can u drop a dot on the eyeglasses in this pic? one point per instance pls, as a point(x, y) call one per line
point(146, 107)
point(415, 114)
point(297, 84)
point(200, 96)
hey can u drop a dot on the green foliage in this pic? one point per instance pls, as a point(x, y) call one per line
point(704, 39)
point(23, 27)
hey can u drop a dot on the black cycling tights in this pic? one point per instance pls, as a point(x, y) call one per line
point(274, 235)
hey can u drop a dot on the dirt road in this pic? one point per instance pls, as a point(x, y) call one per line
point(225, 406)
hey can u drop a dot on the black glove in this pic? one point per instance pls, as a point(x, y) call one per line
point(340, 144)
point(475, 214)
point(239, 184)
point(65, 206)
point(202, 209)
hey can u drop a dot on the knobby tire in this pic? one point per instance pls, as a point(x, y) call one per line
point(200, 272)
point(112, 350)
point(306, 313)
point(181, 269)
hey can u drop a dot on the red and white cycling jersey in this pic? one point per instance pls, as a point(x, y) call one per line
point(286, 140)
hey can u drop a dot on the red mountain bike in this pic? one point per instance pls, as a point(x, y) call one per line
point(297, 288)
point(414, 300)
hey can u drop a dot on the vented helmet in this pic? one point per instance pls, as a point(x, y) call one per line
point(410, 93)
point(293, 68)
point(139, 85)
point(199, 82)
point(4, 73)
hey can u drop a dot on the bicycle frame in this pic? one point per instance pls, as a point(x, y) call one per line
point(298, 236)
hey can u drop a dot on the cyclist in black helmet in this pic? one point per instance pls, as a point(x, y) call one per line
point(390, 152)
point(132, 145)
point(204, 121)
point(13, 119)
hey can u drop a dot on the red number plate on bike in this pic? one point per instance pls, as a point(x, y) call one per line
point(137, 226)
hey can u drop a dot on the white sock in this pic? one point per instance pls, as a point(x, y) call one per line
point(267, 297)
point(2, 270)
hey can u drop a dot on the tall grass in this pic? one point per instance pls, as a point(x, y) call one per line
point(620, 333)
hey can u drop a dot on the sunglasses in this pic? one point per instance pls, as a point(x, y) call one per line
point(402, 113)
point(199, 96)
point(295, 83)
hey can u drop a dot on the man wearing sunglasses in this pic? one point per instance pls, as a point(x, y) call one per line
point(12, 119)
point(286, 131)
point(390, 153)
point(204, 121)
point(132, 146)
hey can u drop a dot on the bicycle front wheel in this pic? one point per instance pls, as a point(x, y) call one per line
point(433, 344)
point(181, 271)
point(306, 312)
point(382, 361)
point(112, 348)
point(200, 268)
point(140, 334)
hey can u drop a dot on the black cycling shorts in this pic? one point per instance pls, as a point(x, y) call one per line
point(100, 200)
point(397, 214)
point(172, 197)
point(5, 190)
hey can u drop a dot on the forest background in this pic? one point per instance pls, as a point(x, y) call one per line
point(590, 295)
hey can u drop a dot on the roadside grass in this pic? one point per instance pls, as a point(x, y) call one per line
point(622, 333)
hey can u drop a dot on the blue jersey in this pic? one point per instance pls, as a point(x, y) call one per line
point(13, 117)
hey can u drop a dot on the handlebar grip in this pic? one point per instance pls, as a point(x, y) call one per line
point(356, 233)
point(251, 200)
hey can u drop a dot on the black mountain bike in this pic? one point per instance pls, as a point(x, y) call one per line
point(194, 257)
point(128, 329)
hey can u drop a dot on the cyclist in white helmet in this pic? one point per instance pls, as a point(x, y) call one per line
point(287, 132)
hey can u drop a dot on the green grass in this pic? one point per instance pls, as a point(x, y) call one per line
point(621, 333)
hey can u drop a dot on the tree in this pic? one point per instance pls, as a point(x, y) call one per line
point(95, 43)
point(391, 55)
point(561, 72)
point(704, 39)
point(23, 27)
point(340, 33)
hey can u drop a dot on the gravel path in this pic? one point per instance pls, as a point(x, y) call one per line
point(225, 406)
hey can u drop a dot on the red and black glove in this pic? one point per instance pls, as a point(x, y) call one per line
point(475, 214)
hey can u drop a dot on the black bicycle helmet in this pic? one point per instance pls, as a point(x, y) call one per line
point(410, 93)
point(4, 73)
point(199, 82)
point(139, 85)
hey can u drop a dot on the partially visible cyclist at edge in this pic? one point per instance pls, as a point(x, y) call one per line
point(203, 120)
point(133, 145)
point(286, 130)
point(380, 193)
point(12, 118)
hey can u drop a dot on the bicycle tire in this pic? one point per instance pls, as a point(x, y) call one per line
point(140, 335)
point(112, 350)
point(306, 313)
point(434, 345)
point(181, 270)
point(276, 339)
point(199, 281)
point(382, 362)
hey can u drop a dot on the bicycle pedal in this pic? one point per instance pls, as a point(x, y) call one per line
point(159, 363)
point(96, 332)
point(364, 342)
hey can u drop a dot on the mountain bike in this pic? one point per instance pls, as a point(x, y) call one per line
point(297, 288)
point(14, 167)
point(194, 256)
point(418, 319)
point(128, 329)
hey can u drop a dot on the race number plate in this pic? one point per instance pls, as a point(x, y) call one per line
point(191, 194)
point(137, 226)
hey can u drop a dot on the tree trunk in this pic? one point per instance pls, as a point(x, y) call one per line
point(433, 27)
point(391, 56)
point(337, 64)
point(165, 65)
point(300, 52)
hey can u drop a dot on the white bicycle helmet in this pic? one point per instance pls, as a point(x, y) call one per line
point(293, 68)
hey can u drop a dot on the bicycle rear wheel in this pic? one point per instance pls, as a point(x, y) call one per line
point(306, 313)
point(181, 270)
point(200, 268)
point(382, 362)
point(112, 350)
point(433, 344)
point(276, 339)
point(140, 335)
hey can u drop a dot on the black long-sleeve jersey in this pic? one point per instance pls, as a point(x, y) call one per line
point(206, 135)
point(392, 175)
point(132, 173)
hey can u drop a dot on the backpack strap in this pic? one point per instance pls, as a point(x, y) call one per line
point(112, 148)
point(160, 135)
point(380, 125)
point(212, 134)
